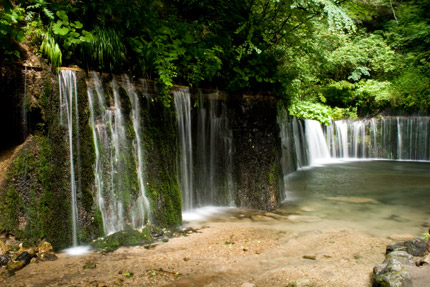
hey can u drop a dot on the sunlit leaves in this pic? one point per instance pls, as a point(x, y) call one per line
point(51, 50)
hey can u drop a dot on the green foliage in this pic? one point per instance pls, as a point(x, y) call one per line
point(312, 111)
point(344, 51)
point(51, 49)
point(104, 50)
point(70, 32)
point(11, 32)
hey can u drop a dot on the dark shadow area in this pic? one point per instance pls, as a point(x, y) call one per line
point(12, 108)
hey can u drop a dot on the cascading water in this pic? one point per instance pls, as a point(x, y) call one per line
point(69, 116)
point(208, 146)
point(396, 138)
point(403, 138)
point(143, 202)
point(182, 100)
point(214, 175)
point(118, 170)
point(316, 144)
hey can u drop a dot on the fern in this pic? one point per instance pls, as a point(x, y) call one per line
point(106, 49)
point(51, 49)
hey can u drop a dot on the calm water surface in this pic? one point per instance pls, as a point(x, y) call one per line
point(401, 191)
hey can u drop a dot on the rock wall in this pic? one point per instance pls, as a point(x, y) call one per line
point(35, 198)
point(257, 153)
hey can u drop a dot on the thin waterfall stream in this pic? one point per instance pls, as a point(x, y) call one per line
point(69, 117)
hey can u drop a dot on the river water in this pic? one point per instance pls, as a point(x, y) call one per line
point(393, 196)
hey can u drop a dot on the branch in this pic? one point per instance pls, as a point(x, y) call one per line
point(394, 12)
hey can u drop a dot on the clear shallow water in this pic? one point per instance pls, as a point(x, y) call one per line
point(318, 199)
point(401, 191)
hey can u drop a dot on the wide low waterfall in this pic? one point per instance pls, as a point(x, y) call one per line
point(307, 142)
point(400, 138)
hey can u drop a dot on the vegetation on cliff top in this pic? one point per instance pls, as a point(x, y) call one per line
point(347, 57)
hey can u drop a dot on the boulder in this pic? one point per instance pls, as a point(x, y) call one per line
point(397, 246)
point(15, 266)
point(391, 274)
point(46, 248)
point(25, 257)
point(48, 257)
point(3, 248)
point(401, 256)
point(5, 260)
point(416, 247)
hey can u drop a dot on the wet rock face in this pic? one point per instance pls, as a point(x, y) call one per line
point(255, 146)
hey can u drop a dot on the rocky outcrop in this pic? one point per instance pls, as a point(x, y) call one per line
point(256, 146)
point(402, 264)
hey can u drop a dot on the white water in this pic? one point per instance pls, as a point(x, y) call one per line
point(203, 213)
point(214, 175)
point(205, 161)
point(142, 201)
point(77, 250)
point(393, 138)
point(182, 100)
point(316, 144)
point(396, 138)
point(68, 101)
point(119, 157)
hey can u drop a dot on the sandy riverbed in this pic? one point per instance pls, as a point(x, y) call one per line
point(236, 249)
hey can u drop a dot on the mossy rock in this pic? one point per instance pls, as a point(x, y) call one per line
point(126, 237)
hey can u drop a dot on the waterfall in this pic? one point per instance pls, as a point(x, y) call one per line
point(205, 161)
point(397, 138)
point(118, 170)
point(182, 99)
point(214, 175)
point(393, 138)
point(143, 202)
point(68, 102)
point(316, 144)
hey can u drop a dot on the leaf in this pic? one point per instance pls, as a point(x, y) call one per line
point(58, 29)
point(48, 13)
point(78, 25)
point(62, 15)
point(86, 36)
point(128, 275)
